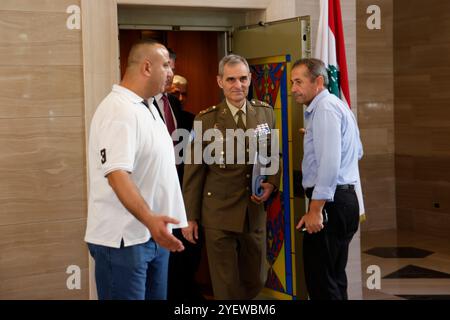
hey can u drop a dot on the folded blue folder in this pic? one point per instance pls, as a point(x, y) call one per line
point(257, 177)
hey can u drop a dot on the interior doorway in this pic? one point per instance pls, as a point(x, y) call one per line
point(198, 54)
point(197, 57)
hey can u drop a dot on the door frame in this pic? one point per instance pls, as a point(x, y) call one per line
point(101, 65)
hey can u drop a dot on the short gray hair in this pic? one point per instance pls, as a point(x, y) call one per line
point(315, 67)
point(232, 59)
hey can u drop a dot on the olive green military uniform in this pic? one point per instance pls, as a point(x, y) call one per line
point(218, 196)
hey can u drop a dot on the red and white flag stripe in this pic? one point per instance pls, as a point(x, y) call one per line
point(330, 48)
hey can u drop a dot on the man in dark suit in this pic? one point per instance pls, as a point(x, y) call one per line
point(182, 267)
point(171, 110)
point(219, 195)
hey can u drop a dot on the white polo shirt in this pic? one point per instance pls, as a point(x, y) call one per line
point(125, 135)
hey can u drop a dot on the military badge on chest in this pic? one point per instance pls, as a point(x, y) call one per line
point(261, 159)
point(262, 134)
point(221, 158)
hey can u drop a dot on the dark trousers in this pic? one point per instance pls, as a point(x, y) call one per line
point(183, 267)
point(325, 253)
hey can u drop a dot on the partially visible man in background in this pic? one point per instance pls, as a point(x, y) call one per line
point(182, 265)
point(179, 89)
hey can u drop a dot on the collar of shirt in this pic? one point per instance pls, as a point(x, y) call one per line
point(316, 100)
point(234, 109)
point(159, 96)
point(133, 97)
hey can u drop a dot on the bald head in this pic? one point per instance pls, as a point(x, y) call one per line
point(147, 69)
point(140, 51)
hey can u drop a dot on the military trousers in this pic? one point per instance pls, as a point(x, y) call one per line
point(236, 263)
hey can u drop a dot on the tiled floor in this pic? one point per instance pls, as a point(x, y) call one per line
point(413, 266)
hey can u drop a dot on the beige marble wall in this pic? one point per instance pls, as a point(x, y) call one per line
point(422, 115)
point(376, 115)
point(279, 10)
point(42, 163)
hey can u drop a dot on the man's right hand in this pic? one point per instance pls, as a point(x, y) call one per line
point(131, 198)
point(158, 229)
point(190, 233)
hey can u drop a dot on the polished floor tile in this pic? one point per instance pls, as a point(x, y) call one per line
point(415, 272)
point(398, 252)
point(412, 266)
point(425, 297)
point(421, 272)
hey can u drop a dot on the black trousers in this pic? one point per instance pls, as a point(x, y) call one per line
point(325, 253)
point(182, 269)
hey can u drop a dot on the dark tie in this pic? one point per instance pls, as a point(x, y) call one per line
point(170, 123)
point(240, 122)
point(241, 125)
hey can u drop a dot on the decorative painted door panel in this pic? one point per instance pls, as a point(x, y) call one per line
point(270, 50)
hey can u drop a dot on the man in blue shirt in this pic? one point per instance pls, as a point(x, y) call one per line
point(332, 148)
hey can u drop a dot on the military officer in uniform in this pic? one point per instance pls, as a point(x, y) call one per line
point(219, 195)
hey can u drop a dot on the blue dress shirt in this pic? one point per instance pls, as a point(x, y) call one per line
point(332, 146)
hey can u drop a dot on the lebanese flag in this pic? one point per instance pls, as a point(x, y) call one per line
point(330, 48)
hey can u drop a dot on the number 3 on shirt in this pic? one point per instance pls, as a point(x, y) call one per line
point(103, 155)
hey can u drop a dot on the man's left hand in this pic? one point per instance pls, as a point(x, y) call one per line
point(313, 219)
point(268, 189)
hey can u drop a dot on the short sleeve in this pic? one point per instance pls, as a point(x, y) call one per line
point(116, 146)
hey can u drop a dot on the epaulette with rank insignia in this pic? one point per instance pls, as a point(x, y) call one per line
point(210, 109)
point(259, 103)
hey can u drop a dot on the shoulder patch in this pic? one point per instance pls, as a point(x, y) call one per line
point(210, 109)
point(258, 103)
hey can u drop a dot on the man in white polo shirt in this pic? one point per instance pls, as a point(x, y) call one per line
point(135, 198)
